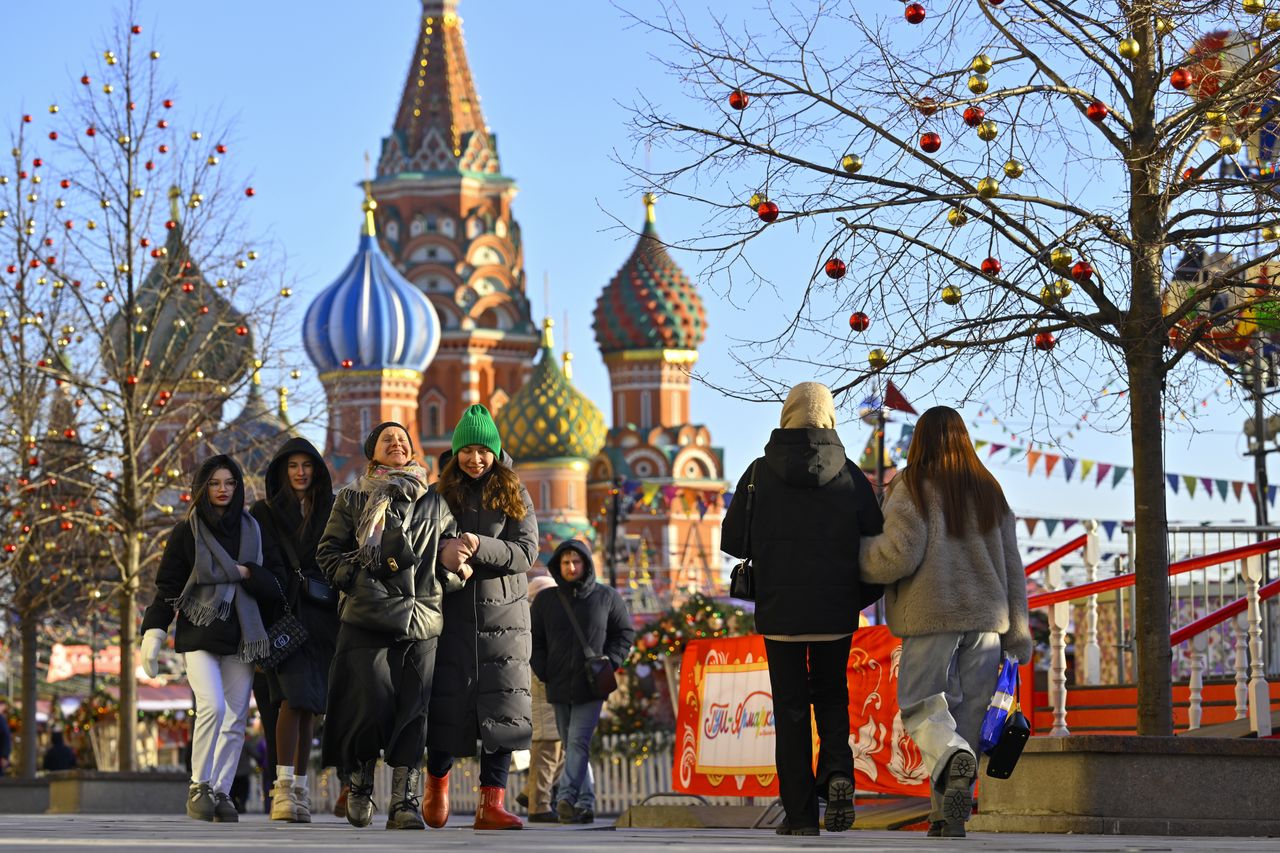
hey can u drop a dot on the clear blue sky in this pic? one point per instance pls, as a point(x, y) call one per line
point(313, 86)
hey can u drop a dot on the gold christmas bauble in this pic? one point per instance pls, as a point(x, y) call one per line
point(977, 84)
point(286, 292)
point(212, 161)
point(951, 295)
point(981, 64)
point(877, 360)
point(756, 200)
point(1253, 7)
point(1164, 26)
point(1048, 295)
point(1271, 22)
point(988, 131)
point(1215, 118)
point(1062, 288)
point(988, 188)
point(195, 135)
point(1229, 145)
point(1269, 232)
point(197, 374)
point(851, 163)
point(1061, 258)
point(155, 54)
point(1129, 48)
point(956, 217)
point(107, 88)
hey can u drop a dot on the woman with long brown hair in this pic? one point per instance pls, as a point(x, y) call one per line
point(956, 595)
point(481, 687)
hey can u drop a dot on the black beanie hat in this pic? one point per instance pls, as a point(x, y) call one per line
point(372, 441)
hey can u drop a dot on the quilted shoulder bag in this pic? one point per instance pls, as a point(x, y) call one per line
point(286, 635)
point(742, 580)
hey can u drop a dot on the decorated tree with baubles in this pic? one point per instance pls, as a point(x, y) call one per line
point(1000, 191)
point(136, 228)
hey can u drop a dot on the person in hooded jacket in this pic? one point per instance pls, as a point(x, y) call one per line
point(481, 686)
point(211, 577)
point(293, 517)
point(810, 507)
point(390, 548)
point(559, 660)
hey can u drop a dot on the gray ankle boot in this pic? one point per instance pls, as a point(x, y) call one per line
point(360, 796)
point(405, 811)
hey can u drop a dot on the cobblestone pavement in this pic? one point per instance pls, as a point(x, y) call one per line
point(164, 832)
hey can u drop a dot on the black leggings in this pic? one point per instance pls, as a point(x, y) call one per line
point(494, 766)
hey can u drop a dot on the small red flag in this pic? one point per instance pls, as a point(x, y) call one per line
point(893, 399)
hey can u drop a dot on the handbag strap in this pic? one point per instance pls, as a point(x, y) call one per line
point(573, 620)
point(751, 495)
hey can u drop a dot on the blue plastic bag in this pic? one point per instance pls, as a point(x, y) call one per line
point(1002, 702)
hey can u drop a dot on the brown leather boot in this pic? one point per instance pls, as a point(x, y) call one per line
point(491, 814)
point(435, 801)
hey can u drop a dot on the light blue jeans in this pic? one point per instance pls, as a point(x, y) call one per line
point(576, 724)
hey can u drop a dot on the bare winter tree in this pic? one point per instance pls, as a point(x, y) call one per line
point(998, 193)
point(166, 309)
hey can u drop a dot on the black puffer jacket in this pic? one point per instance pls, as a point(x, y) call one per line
point(406, 605)
point(558, 658)
point(812, 506)
point(481, 685)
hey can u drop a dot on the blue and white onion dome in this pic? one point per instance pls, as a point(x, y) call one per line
point(372, 317)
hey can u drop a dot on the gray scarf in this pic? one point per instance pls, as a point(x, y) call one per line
point(214, 588)
point(383, 484)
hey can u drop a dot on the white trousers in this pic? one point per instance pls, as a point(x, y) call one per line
point(945, 682)
point(222, 685)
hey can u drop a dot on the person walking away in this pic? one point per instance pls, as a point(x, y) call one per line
point(559, 660)
point(293, 517)
point(59, 756)
point(390, 548)
point(481, 686)
point(211, 577)
point(809, 508)
point(956, 595)
point(545, 753)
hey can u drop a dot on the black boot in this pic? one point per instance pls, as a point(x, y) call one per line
point(405, 811)
point(360, 795)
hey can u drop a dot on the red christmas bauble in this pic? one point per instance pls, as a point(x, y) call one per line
point(767, 211)
point(347, 363)
point(12, 268)
point(64, 183)
point(144, 242)
point(242, 330)
point(1045, 341)
point(163, 149)
point(171, 224)
point(85, 80)
point(739, 99)
point(995, 2)
point(835, 268)
point(53, 134)
point(1187, 173)
point(188, 287)
point(156, 253)
point(1181, 79)
point(973, 116)
point(930, 142)
point(992, 266)
point(914, 14)
point(927, 106)
point(135, 29)
point(1097, 111)
point(220, 148)
point(27, 118)
point(149, 165)
point(168, 103)
point(1082, 271)
point(249, 191)
point(859, 322)
point(131, 380)
point(71, 223)
point(204, 309)
point(162, 124)
point(89, 131)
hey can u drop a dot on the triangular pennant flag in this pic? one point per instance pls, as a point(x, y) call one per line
point(702, 508)
point(1222, 488)
point(1191, 484)
point(1103, 470)
point(1033, 457)
point(995, 448)
point(1068, 468)
point(648, 493)
point(1207, 482)
point(1068, 523)
point(1086, 465)
point(1118, 475)
point(1014, 451)
point(980, 443)
point(1173, 482)
point(1110, 527)
point(893, 399)
point(1253, 491)
point(1271, 494)
point(1050, 461)
point(1050, 525)
point(1237, 486)
point(1031, 525)
point(727, 497)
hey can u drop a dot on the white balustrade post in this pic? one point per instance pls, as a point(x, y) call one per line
point(1089, 665)
point(1059, 614)
point(1196, 705)
point(1240, 625)
point(1259, 694)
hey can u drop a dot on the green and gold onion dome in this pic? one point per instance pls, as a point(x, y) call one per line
point(548, 418)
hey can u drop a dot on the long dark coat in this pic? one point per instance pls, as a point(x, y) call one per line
point(481, 686)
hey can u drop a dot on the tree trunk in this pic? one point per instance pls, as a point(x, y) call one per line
point(128, 760)
point(26, 765)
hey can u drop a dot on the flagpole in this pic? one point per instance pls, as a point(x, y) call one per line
point(880, 453)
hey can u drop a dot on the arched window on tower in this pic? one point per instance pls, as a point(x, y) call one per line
point(433, 420)
point(622, 408)
point(365, 426)
point(571, 501)
point(447, 226)
point(544, 495)
point(646, 410)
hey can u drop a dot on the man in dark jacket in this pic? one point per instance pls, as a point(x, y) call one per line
point(559, 660)
point(799, 514)
point(59, 756)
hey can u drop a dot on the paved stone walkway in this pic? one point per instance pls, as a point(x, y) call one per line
point(255, 832)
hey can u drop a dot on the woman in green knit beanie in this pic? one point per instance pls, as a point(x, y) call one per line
point(477, 427)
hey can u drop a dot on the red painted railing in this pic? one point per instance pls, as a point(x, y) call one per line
point(1181, 567)
point(1222, 614)
point(1057, 554)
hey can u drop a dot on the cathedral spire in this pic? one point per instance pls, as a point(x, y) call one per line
point(439, 126)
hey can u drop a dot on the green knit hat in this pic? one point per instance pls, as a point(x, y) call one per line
point(477, 427)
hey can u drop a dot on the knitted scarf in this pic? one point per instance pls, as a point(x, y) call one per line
point(214, 589)
point(383, 485)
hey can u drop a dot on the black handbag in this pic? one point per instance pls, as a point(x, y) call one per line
point(312, 589)
point(598, 669)
point(742, 580)
point(1004, 756)
point(285, 636)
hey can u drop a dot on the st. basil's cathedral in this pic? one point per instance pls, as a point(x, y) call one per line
point(432, 315)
